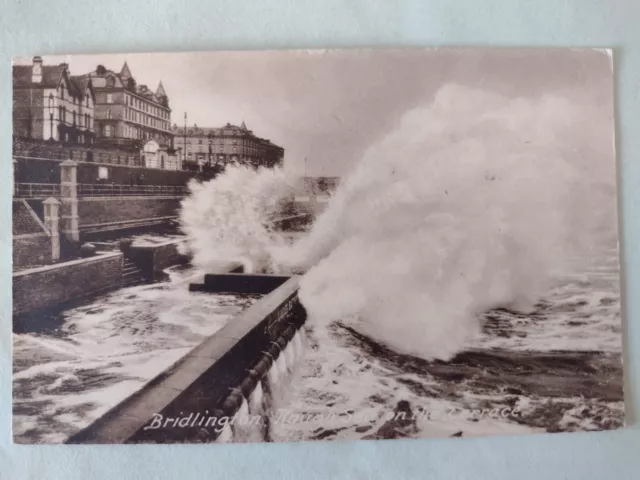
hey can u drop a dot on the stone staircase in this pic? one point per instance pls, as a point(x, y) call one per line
point(131, 274)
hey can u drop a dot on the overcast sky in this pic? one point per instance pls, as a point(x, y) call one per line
point(328, 106)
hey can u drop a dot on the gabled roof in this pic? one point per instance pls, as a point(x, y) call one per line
point(82, 82)
point(51, 76)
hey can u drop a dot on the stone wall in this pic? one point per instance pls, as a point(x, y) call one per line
point(47, 170)
point(104, 213)
point(31, 250)
point(44, 287)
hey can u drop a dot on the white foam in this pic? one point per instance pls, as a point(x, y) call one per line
point(255, 399)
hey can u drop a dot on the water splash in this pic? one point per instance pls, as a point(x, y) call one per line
point(231, 217)
point(474, 201)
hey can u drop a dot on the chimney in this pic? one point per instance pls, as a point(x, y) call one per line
point(36, 70)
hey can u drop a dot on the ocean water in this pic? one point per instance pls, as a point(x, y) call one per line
point(557, 368)
point(462, 280)
point(73, 366)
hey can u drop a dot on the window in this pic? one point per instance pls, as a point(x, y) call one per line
point(61, 114)
point(110, 82)
point(62, 92)
point(86, 120)
point(107, 130)
point(74, 119)
point(103, 173)
point(108, 113)
point(126, 99)
point(87, 100)
point(109, 98)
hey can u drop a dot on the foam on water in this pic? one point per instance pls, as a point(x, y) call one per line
point(92, 356)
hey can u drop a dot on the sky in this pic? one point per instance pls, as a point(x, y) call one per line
point(325, 107)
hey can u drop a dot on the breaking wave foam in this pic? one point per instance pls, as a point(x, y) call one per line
point(474, 201)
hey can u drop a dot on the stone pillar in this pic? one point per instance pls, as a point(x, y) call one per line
point(51, 220)
point(69, 198)
point(15, 167)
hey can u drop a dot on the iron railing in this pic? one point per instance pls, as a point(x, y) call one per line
point(36, 190)
point(43, 190)
point(111, 190)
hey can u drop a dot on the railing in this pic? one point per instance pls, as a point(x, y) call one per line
point(44, 190)
point(36, 190)
point(110, 190)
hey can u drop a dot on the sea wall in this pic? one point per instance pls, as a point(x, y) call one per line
point(112, 213)
point(43, 287)
point(152, 259)
point(215, 376)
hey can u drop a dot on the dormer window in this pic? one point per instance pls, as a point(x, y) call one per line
point(62, 92)
point(110, 82)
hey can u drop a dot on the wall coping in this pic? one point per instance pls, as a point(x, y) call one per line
point(130, 197)
point(156, 245)
point(45, 268)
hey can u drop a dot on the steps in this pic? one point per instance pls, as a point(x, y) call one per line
point(131, 274)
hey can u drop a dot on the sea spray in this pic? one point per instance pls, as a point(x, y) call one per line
point(473, 202)
point(230, 217)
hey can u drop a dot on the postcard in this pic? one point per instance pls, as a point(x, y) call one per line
point(283, 246)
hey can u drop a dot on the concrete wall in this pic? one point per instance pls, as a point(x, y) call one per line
point(43, 287)
point(153, 259)
point(104, 213)
point(229, 363)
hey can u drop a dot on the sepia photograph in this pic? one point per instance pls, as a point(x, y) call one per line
point(300, 245)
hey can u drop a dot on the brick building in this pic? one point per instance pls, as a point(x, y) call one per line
point(205, 146)
point(50, 104)
point(127, 113)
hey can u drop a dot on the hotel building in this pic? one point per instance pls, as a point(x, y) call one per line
point(200, 147)
point(127, 113)
point(50, 104)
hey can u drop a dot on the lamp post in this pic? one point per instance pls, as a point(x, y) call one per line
point(51, 117)
point(210, 148)
point(184, 140)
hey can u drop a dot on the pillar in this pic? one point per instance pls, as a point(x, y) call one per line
point(15, 168)
point(51, 220)
point(69, 198)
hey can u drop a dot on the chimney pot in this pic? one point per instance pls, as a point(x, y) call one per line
point(36, 70)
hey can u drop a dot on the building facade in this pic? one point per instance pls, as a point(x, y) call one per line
point(127, 113)
point(199, 147)
point(50, 104)
point(158, 156)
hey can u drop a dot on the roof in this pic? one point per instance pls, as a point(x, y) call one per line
point(160, 90)
point(122, 80)
point(51, 75)
point(199, 131)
